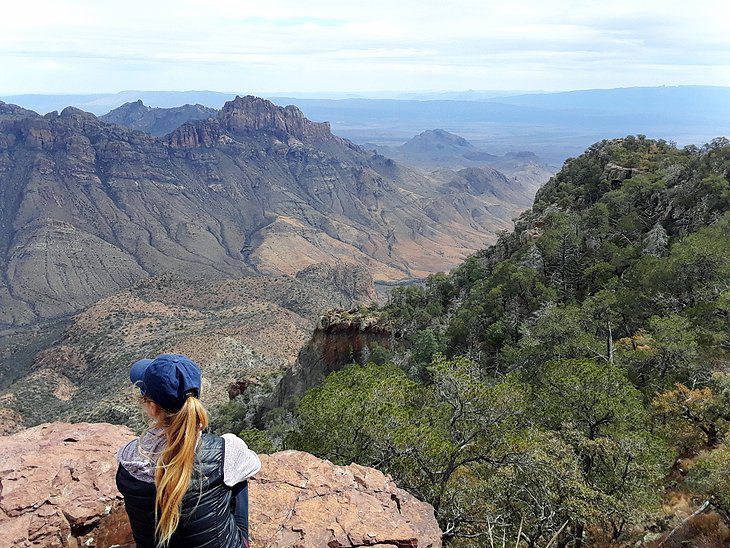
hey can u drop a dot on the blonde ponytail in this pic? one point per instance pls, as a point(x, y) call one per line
point(175, 465)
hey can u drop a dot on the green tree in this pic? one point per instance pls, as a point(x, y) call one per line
point(597, 410)
point(710, 475)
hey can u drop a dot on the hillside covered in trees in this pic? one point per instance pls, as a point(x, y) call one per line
point(570, 383)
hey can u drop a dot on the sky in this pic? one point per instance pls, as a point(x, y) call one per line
point(100, 46)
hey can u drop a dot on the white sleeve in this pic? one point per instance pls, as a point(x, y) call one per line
point(240, 463)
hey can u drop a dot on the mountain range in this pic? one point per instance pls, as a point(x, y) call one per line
point(90, 208)
point(156, 121)
point(555, 125)
point(437, 149)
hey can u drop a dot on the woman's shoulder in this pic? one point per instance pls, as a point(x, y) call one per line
point(127, 451)
point(233, 443)
point(240, 462)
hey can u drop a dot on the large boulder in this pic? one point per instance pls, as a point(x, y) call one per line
point(57, 484)
point(57, 489)
point(301, 501)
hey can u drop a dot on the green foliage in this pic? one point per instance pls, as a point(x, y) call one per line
point(228, 417)
point(695, 418)
point(594, 399)
point(526, 375)
point(379, 354)
point(597, 410)
point(343, 418)
point(597, 259)
point(257, 440)
point(710, 476)
point(477, 448)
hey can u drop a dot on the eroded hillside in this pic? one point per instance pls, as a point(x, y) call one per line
point(243, 332)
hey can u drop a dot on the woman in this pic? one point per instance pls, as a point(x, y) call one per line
point(183, 487)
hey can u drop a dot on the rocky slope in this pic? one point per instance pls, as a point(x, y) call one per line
point(89, 208)
point(243, 332)
point(58, 490)
point(156, 121)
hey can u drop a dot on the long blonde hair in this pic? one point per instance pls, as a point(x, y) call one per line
point(176, 463)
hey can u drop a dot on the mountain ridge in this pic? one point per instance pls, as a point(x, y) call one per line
point(89, 208)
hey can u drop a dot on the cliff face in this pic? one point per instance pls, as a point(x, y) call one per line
point(253, 114)
point(58, 490)
point(88, 208)
point(340, 338)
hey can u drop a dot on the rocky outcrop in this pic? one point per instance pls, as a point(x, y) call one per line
point(57, 485)
point(58, 490)
point(340, 338)
point(251, 113)
point(301, 501)
point(615, 174)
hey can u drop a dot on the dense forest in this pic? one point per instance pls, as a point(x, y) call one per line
point(561, 386)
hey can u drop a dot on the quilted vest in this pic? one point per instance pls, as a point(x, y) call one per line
point(206, 520)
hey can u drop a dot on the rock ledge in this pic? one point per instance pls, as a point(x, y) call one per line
point(57, 489)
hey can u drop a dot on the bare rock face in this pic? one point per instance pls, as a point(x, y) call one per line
point(301, 501)
point(616, 174)
point(254, 113)
point(57, 489)
point(57, 484)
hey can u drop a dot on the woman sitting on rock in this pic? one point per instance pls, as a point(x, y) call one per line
point(183, 487)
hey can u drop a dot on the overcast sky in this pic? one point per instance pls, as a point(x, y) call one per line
point(65, 46)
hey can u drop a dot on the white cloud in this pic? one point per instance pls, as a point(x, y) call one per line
point(57, 46)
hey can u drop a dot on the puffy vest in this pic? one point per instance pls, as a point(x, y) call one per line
point(206, 520)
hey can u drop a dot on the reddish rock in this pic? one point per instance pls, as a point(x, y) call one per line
point(301, 501)
point(57, 489)
point(57, 483)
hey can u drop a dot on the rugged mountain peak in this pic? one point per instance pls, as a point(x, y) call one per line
point(134, 108)
point(156, 121)
point(252, 113)
point(76, 114)
point(9, 110)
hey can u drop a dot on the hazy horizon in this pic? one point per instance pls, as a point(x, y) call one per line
point(355, 93)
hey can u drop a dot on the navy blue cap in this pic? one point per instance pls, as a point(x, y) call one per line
point(167, 380)
point(136, 374)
